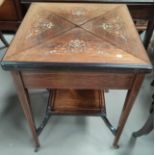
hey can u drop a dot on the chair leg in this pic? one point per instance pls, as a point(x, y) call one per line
point(147, 128)
point(3, 39)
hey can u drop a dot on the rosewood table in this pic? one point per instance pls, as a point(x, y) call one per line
point(140, 10)
point(77, 51)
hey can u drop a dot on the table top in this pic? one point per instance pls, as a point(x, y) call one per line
point(77, 36)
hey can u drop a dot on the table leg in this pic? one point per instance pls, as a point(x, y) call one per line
point(131, 95)
point(25, 103)
point(149, 32)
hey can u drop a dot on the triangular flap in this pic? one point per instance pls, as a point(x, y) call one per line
point(79, 13)
point(110, 27)
point(118, 29)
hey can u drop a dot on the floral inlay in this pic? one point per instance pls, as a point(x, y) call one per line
point(78, 12)
point(114, 27)
point(41, 24)
point(73, 46)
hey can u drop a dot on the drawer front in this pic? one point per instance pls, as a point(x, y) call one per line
point(8, 10)
point(77, 80)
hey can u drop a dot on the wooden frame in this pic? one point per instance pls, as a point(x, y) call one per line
point(20, 80)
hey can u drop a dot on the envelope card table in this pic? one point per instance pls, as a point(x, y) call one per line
point(76, 51)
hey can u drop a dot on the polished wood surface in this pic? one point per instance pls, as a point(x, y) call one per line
point(84, 34)
point(78, 101)
point(82, 80)
point(139, 9)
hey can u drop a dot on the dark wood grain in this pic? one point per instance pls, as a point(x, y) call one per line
point(8, 11)
point(10, 15)
point(141, 11)
point(78, 101)
point(81, 80)
point(9, 25)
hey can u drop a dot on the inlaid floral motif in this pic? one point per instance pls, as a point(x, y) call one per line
point(114, 27)
point(40, 25)
point(73, 46)
point(76, 44)
point(78, 12)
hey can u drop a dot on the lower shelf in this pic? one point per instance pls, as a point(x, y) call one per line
point(77, 101)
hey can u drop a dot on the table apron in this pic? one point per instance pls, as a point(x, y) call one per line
point(77, 80)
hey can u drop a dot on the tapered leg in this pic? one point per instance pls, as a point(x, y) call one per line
point(25, 103)
point(131, 95)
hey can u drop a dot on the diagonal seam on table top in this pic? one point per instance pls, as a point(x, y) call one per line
point(107, 12)
point(101, 39)
point(81, 28)
point(104, 38)
point(76, 25)
point(61, 17)
point(116, 8)
point(19, 53)
point(47, 37)
point(90, 19)
point(87, 32)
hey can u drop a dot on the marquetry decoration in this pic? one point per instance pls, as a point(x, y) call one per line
point(115, 27)
point(78, 33)
point(73, 46)
point(78, 12)
point(39, 26)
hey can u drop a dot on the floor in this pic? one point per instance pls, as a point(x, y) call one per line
point(71, 135)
